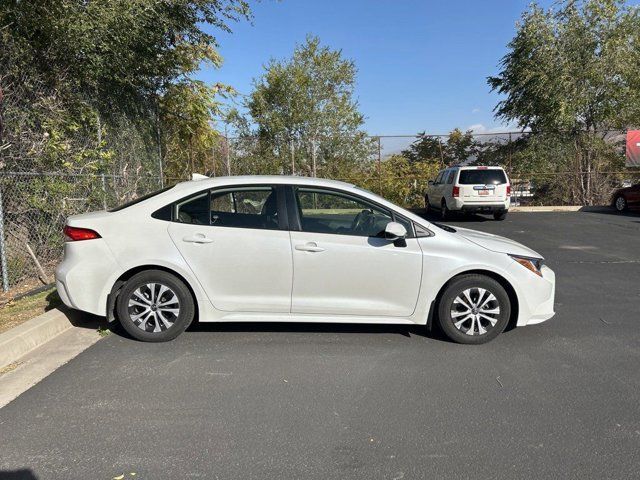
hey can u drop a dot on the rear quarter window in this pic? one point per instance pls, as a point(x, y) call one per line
point(482, 177)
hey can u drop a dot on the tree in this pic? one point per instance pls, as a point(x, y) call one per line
point(571, 74)
point(458, 147)
point(86, 84)
point(304, 109)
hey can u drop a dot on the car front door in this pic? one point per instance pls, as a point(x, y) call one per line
point(236, 242)
point(343, 265)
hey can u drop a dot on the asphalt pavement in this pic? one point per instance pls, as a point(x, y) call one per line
point(280, 401)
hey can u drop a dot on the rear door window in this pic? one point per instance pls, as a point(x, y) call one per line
point(245, 207)
point(482, 177)
point(450, 177)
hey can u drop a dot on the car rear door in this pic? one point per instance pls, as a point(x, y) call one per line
point(236, 242)
point(482, 185)
point(436, 190)
point(342, 264)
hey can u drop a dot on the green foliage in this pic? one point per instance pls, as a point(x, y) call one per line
point(186, 110)
point(117, 54)
point(401, 180)
point(86, 86)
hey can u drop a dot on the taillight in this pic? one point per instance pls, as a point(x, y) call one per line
point(456, 191)
point(508, 190)
point(74, 234)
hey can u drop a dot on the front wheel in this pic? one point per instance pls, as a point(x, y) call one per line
point(474, 309)
point(155, 306)
point(427, 206)
point(620, 203)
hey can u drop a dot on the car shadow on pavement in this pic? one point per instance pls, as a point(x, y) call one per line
point(286, 327)
point(83, 320)
point(22, 474)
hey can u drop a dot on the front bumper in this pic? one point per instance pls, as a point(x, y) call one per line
point(536, 295)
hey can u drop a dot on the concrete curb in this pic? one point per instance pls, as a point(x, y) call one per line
point(560, 208)
point(25, 337)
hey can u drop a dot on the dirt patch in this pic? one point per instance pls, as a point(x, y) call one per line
point(19, 311)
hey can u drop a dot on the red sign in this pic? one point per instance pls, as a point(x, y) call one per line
point(633, 148)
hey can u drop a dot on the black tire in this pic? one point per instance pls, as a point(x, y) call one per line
point(444, 211)
point(501, 215)
point(620, 204)
point(427, 207)
point(177, 323)
point(470, 283)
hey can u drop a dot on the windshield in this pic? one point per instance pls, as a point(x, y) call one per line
point(482, 177)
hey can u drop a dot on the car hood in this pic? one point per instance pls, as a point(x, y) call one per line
point(497, 243)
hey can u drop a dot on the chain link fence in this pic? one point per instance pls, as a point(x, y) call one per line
point(34, 206)
point(33, 210)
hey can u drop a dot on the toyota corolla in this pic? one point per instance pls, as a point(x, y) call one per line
point(294, 249)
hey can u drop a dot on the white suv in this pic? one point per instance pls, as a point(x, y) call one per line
point(470, 189)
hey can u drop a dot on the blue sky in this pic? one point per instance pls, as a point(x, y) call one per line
point(422, 65)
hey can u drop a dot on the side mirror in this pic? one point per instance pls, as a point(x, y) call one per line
point(394, 231)
point(430, 182)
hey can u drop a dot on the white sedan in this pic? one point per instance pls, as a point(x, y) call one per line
point(294, 249)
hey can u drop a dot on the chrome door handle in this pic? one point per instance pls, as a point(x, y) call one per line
point(197, 238)
point(309, 247)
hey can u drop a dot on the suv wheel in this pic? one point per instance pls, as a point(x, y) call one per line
point(474, 309)
point(444, 211)
point(155, 306)
point(501, 215)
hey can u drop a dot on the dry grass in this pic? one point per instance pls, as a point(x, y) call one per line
point(19, 311)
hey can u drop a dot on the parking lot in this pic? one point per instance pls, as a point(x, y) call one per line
point(261, 401)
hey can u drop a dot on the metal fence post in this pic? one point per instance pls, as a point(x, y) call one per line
point(379, 166)
point(228, 155)
point(3, 249)
point(293, 157)
point(104, 192)
point(313, 157)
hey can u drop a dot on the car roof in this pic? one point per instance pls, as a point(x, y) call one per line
point(261, 179)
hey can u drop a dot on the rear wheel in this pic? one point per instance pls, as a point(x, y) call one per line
point(620, 203)
point(474, 309)
point(155, 306)
point(501, 215)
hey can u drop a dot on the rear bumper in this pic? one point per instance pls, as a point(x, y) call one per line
point(468, 204)
point(489, 208)
point(84, 274)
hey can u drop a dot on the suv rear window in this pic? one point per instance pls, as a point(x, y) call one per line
point(482, 177)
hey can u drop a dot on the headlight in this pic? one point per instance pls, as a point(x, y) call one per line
point(530, 263)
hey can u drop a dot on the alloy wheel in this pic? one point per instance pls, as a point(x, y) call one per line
point(154, 307)
point(475, 311)
point(621, 204)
